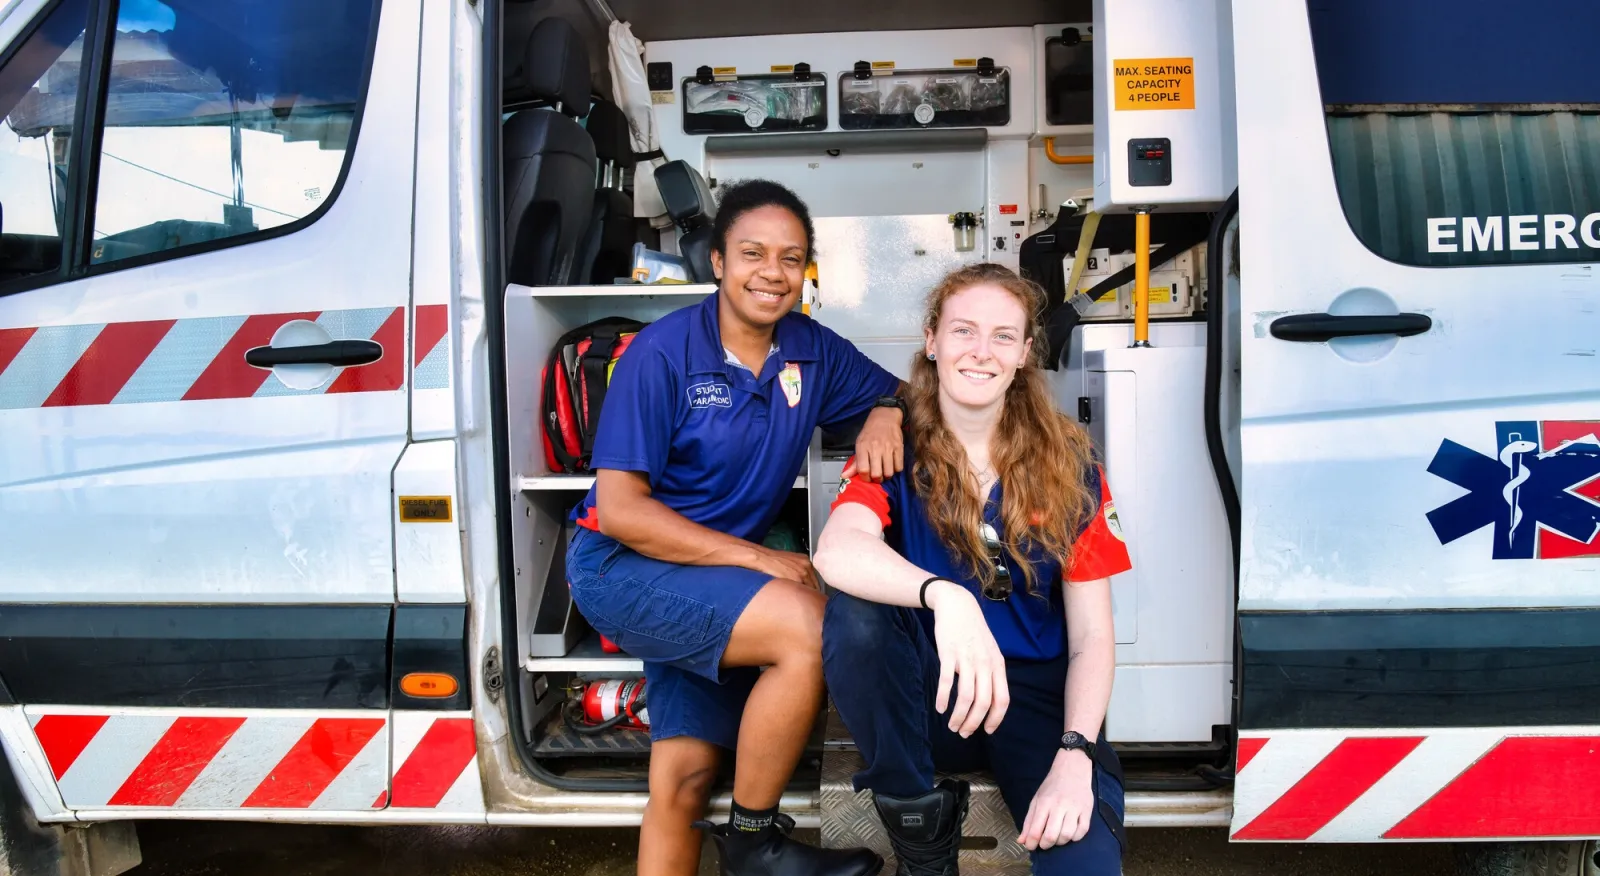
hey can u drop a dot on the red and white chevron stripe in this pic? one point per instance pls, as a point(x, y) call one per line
point(1430, 784)
point(437, 763)
point(216, 759)
point(168, 360)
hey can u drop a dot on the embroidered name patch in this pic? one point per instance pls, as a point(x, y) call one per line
point(710, 395)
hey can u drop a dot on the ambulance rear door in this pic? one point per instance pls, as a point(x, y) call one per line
point(205, 347)
point(1419, 229)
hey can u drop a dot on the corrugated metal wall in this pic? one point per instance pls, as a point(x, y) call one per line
point(1395, 170)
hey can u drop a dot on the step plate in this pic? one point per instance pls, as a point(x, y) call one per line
point(849, 819)
point(556, 739)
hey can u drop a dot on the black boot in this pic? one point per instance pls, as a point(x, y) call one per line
point(770, 852)
point(926, 831)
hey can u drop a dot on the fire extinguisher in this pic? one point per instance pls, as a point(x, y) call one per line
point(598, 706)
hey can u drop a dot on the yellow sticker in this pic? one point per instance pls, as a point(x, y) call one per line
point(1161, 295)
point(1154, 83)
point(882, 66)
point(783, 68)
point(425, 509)
point(724, 74)
point(659, 97)
point(964, 62)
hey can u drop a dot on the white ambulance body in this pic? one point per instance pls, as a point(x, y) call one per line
point(281, 541)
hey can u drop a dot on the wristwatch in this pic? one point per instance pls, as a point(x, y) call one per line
point(890, 401)
point(1072, 739)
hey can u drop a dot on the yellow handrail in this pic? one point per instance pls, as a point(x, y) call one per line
point(1057, 158)
point(1141, 279)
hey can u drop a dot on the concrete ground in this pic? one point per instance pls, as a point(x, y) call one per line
point(228, 849)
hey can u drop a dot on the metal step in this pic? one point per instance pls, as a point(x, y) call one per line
point(989, 835)
point(849, 820)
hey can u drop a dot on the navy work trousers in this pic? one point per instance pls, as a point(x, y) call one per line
point(883, 669)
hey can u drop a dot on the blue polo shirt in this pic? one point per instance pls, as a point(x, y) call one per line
point(722, 445)
point(1026, 626)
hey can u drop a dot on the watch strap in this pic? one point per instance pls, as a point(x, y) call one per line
point(1073, 740)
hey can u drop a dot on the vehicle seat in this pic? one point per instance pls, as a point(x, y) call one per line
point(689, 203)
point(608, 247)
point(549, 161)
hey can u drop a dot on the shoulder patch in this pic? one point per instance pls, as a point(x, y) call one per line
point(1112, 523)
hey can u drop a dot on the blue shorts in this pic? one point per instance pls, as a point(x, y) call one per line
point(678, 620)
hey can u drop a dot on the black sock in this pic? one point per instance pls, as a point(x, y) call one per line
point(751, 820)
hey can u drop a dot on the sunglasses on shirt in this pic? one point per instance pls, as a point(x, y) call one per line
point(999, 589)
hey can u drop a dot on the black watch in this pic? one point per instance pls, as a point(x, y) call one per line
point(890, 401)
point(1072, 739)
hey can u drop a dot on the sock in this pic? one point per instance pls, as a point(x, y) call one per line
point(751, 820)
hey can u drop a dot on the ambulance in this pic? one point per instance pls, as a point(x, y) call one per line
point(281, 282)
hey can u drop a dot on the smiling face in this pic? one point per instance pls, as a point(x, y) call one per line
point(762, 269)
point(980, 342)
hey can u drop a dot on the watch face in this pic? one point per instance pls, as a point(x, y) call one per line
point(1072, 737)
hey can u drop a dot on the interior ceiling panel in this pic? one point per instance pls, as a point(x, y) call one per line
point(656, 20)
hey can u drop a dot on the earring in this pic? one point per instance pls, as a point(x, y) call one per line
point(930, 357)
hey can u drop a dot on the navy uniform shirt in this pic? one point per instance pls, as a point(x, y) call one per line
point(1026, 626)
point(722, 445)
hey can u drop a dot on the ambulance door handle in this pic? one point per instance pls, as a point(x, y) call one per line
point(1317, 327)
point(342, 353)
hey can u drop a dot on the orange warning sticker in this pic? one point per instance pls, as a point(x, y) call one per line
point(1154, 83)
point(425, 509)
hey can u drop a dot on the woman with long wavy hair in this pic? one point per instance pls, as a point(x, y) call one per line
point(971, 623)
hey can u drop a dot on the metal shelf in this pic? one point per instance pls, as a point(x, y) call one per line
point(556, 482)
point(584, 482)
point(586, 656)
point(621, 290)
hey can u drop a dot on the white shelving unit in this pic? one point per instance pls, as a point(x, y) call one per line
point(535, 317)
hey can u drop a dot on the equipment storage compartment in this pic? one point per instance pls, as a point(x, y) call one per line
point(729, 104)
point(564, 658)
point(958, 97)
point(1068, 92)
point(554, 644)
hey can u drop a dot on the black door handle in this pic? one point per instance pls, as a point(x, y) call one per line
point(1326, 326)
point(346, 353)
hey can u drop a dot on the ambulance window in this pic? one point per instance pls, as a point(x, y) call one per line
point(223, 119)
point(38, 93)
point(1463, 134)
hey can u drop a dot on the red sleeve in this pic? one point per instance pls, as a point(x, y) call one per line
point(862, 491)
point(1100, 552)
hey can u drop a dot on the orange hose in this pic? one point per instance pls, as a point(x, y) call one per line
point(1057, 158)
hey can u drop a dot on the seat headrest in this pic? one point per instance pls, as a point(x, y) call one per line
point(684, 192)
point(608, 128)
point(555, 66)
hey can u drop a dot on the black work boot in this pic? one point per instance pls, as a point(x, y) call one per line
point(926, 831)
point(771, 852)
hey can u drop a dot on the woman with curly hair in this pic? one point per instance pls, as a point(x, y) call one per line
point(971, 624)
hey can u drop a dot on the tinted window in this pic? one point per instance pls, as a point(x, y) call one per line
point(225, 117)
point(34, 155)
point(1464, 132)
